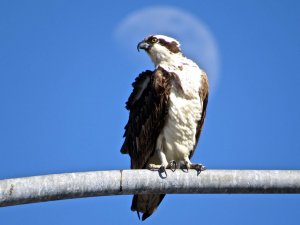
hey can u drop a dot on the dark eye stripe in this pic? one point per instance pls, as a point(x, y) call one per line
point(172, 46)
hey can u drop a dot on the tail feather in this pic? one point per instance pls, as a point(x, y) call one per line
point(146, 204)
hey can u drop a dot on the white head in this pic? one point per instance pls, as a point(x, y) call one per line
point(160, 48)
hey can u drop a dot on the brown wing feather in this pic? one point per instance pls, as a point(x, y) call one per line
point(203, 92)
point(146, 203)
point(139, 85)
point(148, 109)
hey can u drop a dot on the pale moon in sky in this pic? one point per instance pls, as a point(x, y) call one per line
point(197, 42)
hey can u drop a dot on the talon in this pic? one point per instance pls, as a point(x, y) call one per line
point(162, 169)
point(185, 167)
point(203, 168)
point(173, 165)
point(198, 167)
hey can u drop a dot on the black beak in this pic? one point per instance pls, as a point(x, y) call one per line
point(143, 45)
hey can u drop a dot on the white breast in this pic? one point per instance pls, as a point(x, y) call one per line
point(177, 138)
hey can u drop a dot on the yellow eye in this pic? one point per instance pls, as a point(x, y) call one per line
point(154, 40)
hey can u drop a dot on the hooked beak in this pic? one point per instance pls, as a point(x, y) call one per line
point(143, 45)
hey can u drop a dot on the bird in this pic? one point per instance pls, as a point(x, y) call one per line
point(167, 109)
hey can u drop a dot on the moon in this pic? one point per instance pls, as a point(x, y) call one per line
point(197, 41)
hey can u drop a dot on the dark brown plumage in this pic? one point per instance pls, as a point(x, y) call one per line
point(148, 109)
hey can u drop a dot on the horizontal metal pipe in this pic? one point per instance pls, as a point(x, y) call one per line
point(124, 182)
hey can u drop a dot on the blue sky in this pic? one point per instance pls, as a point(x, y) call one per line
point(64, 79)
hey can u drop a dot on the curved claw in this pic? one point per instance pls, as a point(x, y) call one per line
point(173, 165)
point(198, 167)
point(203, 167)
point(162, 170)
point(185, 167)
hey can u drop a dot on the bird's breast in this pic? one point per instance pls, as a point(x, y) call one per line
point(184, 113)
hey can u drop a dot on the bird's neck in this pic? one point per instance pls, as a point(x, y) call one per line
point(168, 60)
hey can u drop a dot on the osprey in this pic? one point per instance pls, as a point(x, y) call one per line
point(167, 111)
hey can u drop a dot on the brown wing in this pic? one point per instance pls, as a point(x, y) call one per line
point(148, 109)
point(203, 92)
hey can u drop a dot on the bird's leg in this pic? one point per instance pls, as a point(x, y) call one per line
point(162, 167)
point(164, 163)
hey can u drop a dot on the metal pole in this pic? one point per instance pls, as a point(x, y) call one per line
point(124, 182)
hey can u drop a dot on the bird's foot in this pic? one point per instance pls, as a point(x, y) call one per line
point(185, 166)
point(160, 168)
point(196, 166)
point(171, 165)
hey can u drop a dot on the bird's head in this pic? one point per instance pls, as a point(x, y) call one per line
point(160, 48)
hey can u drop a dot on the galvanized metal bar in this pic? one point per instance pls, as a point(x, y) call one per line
point(124, 182)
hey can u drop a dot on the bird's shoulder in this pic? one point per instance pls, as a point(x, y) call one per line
point(155, 82)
